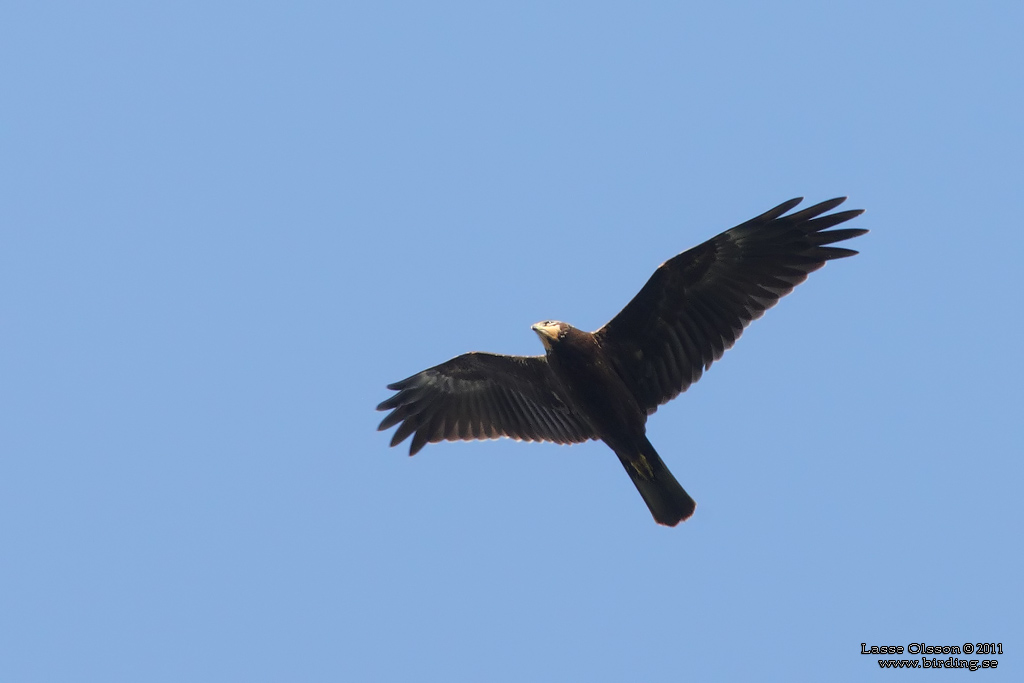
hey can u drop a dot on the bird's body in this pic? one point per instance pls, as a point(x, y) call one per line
point(592, 387)
point(603, 385)
point(603, 399)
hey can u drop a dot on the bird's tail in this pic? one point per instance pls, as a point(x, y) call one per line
point(668, 501)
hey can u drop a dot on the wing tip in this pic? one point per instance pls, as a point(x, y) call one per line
point(782, 208)
point(833, 253)
point(831, 203)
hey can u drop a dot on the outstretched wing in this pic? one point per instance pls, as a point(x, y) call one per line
point(482, 396)
point(697, 304)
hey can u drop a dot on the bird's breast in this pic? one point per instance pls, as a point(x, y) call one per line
point(596, 391)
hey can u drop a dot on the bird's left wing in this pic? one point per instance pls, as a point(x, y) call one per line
point(482, 396)
point(697, 304)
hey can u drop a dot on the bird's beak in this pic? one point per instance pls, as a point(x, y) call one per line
point(547, 333)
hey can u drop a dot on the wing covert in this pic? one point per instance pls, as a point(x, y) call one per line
point(482, 396)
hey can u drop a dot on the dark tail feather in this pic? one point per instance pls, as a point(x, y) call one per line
point(668, 501)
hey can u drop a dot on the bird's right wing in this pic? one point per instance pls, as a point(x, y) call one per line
point(482, 396)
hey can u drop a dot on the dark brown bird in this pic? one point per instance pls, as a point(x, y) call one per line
point(603, 385)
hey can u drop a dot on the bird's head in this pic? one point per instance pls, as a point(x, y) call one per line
point(551, 331)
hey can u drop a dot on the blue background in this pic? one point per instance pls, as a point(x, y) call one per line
point(226, 226)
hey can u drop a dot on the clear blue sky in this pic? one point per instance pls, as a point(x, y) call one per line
point(225, 227)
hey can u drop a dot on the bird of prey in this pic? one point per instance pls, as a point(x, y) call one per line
point(604, 384)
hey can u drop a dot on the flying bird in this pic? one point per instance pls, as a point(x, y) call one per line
point(603, 385)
